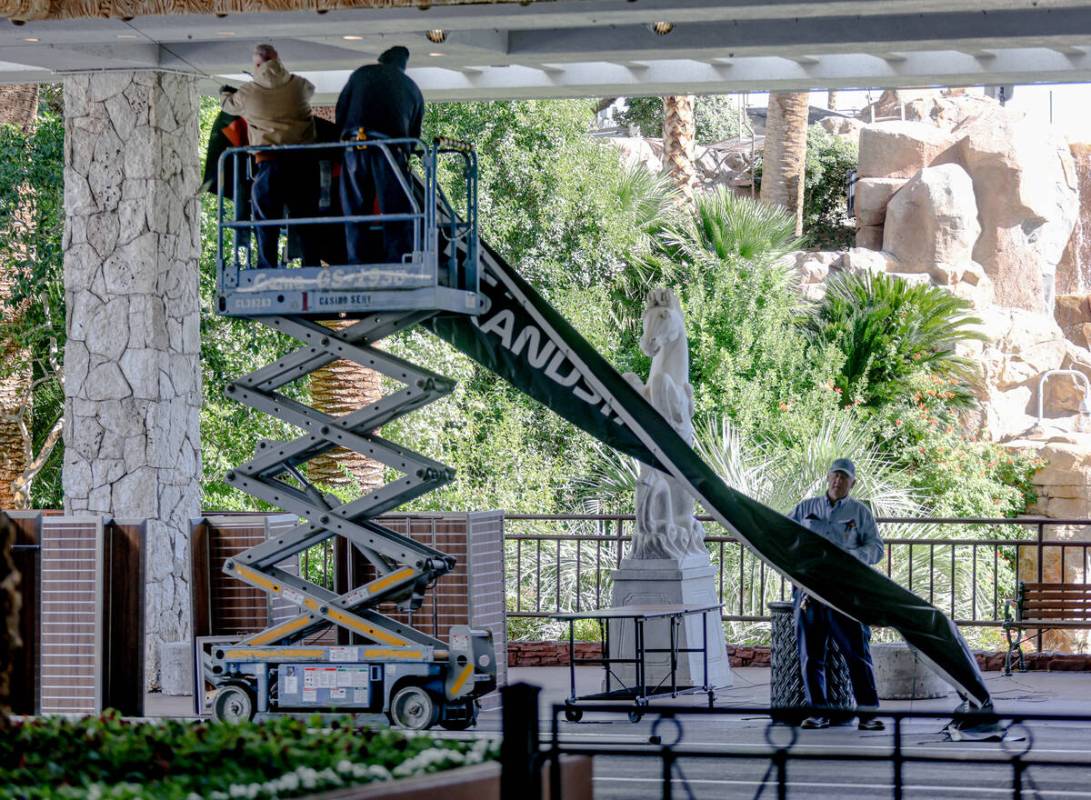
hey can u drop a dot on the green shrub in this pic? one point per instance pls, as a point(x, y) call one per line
point(108, 757)
point(826, 221)
point(891, 332)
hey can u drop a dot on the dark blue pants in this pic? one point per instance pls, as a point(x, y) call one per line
point(816, 625)
point(368, 183)
point(280, 185)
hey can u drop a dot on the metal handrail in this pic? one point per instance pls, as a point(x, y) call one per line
point(969, 578)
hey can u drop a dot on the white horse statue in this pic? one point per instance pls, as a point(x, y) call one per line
point(665, 525)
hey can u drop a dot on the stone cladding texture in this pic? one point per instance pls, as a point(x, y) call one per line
point(132, 370)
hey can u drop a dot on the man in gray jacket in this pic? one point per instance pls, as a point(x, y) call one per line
point(276, 107)
point(849, 524)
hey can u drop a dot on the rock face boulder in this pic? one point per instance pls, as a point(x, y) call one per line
point(1021, 346)
point(1073, 314)
point(1074, 271)
point(932, 219)
point(1025, 182)
point(872, 196)
point(870, 236)
point(901, 149)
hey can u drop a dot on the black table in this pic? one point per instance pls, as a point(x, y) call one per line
point(640, 693)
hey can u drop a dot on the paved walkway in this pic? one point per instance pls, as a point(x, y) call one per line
point(746, 776)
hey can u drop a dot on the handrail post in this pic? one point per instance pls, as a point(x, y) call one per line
point(1041, 573)
point(520, 750)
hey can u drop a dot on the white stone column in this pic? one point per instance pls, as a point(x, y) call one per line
point(132, 371)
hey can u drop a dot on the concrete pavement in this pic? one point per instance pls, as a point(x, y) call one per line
point(731, 759)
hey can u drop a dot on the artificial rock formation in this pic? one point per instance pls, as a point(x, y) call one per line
point(1027, 197)
point(932, 219)
point(1074, 271)
point(1025, 187)
point(132, 372)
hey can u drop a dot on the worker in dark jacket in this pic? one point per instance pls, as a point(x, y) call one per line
point(378, 101)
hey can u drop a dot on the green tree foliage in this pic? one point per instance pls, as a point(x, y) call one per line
point(716, 115)
point(31, 227)
point(830, 159)
point(594, 237)
point(891, 331)
point(826, 221)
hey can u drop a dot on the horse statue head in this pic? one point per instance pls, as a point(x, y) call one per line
point(663, 321)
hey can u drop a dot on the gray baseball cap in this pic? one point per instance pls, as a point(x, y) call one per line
point(844, 465)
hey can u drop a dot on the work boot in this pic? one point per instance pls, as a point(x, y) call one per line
point(815, 723)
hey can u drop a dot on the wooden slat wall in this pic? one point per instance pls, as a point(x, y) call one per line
point(200, 596)
point(486, 589)
point(223, 605)
point(25, 677)
point(281, 610)
point(235, 607)
point(123, 677)
point(71, 587)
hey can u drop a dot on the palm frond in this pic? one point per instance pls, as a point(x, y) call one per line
point(733, 227)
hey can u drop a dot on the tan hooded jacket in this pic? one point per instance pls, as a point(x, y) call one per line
point(275, 106)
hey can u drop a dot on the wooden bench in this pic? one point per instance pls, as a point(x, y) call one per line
point(1044, 606)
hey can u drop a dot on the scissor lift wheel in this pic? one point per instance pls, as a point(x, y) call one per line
point(233, 704)
point(412, 707)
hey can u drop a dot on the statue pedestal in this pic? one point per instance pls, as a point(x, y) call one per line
point(669, 581)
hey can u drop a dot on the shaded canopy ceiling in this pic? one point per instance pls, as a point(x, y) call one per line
point(468, 49)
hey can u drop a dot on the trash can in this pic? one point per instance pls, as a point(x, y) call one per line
point(786, 680)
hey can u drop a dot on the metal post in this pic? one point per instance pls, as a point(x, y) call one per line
point(572, 658)
point(897, 757)
point(1041, 553)
point(520, 752)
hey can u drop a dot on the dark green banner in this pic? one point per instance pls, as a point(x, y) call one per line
point(524, 340)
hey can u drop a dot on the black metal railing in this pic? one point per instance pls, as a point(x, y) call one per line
point(1014, 766)
point(559, 563)
point(1009, 753)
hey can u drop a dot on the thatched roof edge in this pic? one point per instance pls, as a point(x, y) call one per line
point(27, 10)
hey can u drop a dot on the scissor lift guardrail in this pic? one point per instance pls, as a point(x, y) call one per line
point(414, 679)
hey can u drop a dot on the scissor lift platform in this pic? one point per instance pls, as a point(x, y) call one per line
point(389, 668)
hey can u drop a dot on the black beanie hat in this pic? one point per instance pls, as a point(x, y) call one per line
point(395, 57)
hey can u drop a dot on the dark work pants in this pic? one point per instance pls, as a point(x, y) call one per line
point(816, 625)
point(284, 184)
point(368, 183)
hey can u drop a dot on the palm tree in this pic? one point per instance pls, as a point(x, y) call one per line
point(339, 389)
point(679, 134)
point(19, 107)
point(785, 158)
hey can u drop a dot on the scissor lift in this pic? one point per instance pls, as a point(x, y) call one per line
point(412, 678)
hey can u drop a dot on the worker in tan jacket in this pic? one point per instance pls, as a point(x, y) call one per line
point(276, 107)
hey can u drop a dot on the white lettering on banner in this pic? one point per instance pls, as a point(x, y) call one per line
point(537, 357)
point(553, 374)
point(539, 347)
point(503, 322)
